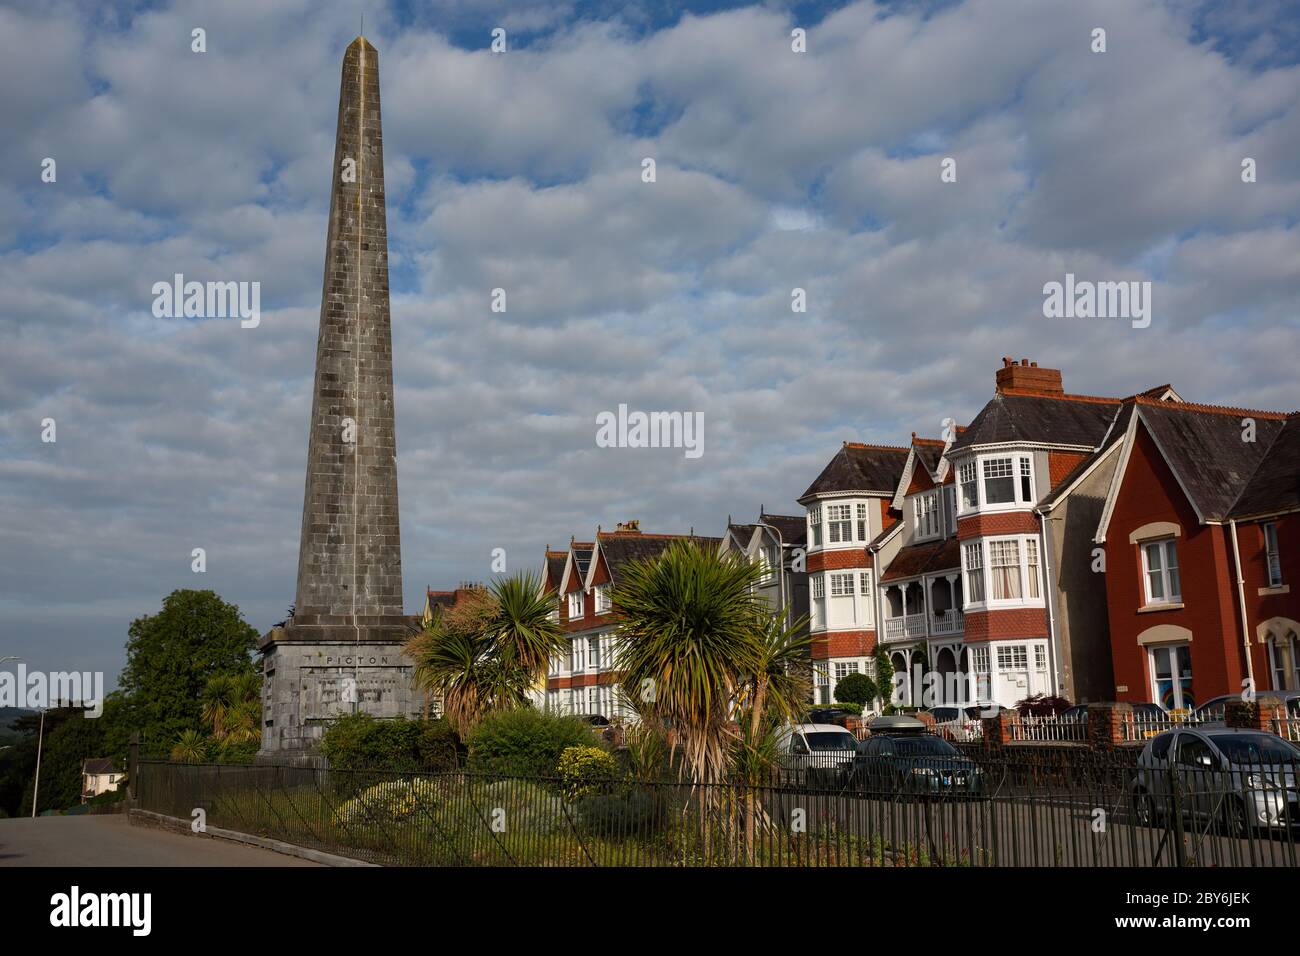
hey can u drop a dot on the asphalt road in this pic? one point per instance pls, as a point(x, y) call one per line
point(108, 840)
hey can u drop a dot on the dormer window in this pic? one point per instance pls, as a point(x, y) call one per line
point(925, 515)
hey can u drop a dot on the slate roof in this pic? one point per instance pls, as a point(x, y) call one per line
point(1115, 436)
point(1204, 447)
point(97, 765)
point(621, 547)
point(918, 559)
point(858, 467)
point(555, 567)
point(1275, 485)
point(793, 528)
point(1012, 416)
point(742, 533)
point(929, 451)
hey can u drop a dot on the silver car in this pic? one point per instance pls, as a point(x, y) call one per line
point(1230, 777)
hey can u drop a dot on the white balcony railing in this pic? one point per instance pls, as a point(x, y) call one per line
point(947, 622)
point(911, 626)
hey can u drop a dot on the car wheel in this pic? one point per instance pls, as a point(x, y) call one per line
point(1144, 809)
point(1233, 817)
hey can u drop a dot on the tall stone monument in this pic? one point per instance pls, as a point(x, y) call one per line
point(340, 652)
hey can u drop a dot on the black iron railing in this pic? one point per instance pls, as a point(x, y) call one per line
point(999, 809)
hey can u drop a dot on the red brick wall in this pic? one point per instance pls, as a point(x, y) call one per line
point(843, 644)
point(581, 680)
point(1149, 492)
point(1262, 607)
point(998, 522)
point(1005, 624)
point(831, 560)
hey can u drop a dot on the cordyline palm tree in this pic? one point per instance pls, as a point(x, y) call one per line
point(487, 652)
point(190, 747)
point(769, 698)
point(232, 706)
point(687, 643)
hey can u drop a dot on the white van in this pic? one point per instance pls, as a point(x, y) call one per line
point(817, 754)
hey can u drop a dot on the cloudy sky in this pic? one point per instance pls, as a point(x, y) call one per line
point(521, 170)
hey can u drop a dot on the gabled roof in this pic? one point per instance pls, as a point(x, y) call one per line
point(927, 558)
point(863, 468)
point(97, 765)
point(618, 548)
point(1204, 448)
point(553, 569)
point(1018, 416)
point(576, 563)
point(1275, 485)
point(740, 535)
point(1222, 475)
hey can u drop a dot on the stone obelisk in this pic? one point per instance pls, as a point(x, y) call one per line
point(339, 652)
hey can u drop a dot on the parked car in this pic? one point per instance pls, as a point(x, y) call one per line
point(901, 758)
point(1215, 708)
point(1143, 713)
point(840, 716)
point(1232, 777)
point(817, 754)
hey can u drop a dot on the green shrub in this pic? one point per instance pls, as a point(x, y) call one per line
point(855, 689)
point(360, 742)
point(389, 802)
point(585, 770)
point(525, 742)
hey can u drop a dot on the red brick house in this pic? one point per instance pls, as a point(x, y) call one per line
point(1201, 535)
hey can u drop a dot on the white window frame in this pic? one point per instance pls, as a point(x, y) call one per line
point(575, 605)
point(926, 519)
point(1272, 556)
point(1030, 574)
point(602, 595)
point(863, 526)
point(839, 523)
point(1166, 573)
point(841, 584)
point(815, 526)
point(1021, 473)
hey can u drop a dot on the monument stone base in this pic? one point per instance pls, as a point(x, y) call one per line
point(315, 673)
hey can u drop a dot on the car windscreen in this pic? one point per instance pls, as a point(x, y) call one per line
point(830, 741)
point(924, 747)
point(1245, 749)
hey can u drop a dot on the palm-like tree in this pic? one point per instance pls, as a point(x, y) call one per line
point(217, 697)
point(486, 653)
point(689, 642)
point(190, 747)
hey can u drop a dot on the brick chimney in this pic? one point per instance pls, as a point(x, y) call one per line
point(1026, 376)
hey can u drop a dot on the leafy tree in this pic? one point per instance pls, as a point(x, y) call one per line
point(70, 738)
point(170, 656)
point(855, 689)
point(360, 742)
